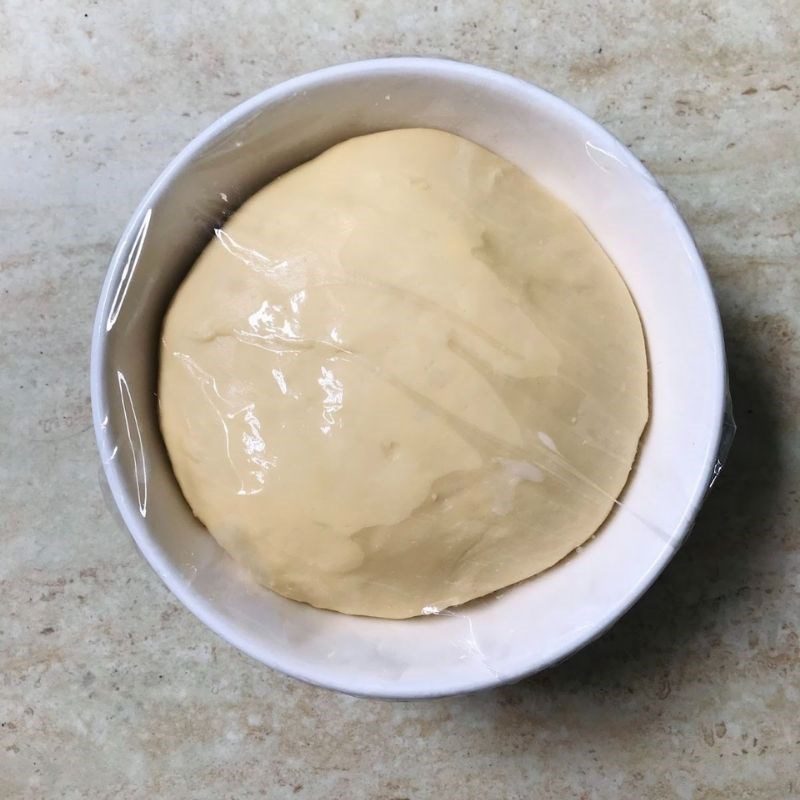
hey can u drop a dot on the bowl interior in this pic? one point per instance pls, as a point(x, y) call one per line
point(523, 628)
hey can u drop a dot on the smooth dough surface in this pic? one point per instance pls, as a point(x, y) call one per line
point(400, 377)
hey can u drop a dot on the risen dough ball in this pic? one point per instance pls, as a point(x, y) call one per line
point(400, 377)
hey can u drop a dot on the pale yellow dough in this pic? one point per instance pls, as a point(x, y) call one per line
point(400, 377)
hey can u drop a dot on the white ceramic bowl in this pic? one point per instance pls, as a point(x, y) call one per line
point(524, 628)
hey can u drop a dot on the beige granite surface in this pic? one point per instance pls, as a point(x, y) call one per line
point(110, 689)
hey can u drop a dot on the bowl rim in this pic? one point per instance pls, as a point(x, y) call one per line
point(145, 540)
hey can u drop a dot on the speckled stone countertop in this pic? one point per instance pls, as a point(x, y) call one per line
point(110, 689)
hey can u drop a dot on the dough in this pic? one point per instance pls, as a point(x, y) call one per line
point(400, 377)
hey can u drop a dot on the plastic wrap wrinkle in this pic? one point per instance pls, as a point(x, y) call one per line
point(134, 437)
point(470, 646)
point(127, 273)
point(726, 440)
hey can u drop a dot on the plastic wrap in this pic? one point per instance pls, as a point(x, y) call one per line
point(443, 649)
